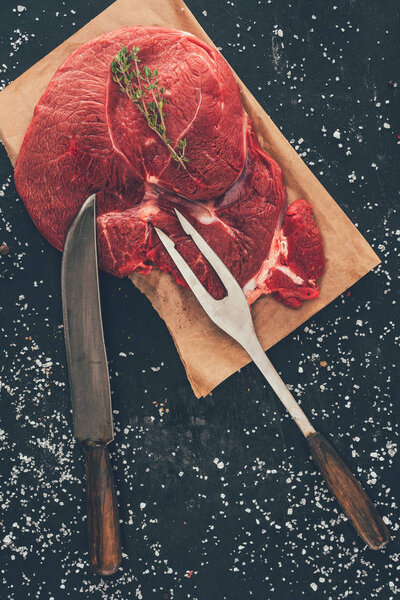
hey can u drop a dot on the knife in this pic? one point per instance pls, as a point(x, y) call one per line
point(90, 386)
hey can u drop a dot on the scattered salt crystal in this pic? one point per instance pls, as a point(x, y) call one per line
point(336, 134)
point(313, 586)
point(280, 32)
point(142, 505)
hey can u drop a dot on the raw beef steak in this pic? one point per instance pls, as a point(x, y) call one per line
point(86, 136)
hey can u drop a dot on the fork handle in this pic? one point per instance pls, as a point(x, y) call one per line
point(353, 500)
point(342, 483)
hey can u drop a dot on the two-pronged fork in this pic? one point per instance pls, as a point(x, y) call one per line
point(232, 315)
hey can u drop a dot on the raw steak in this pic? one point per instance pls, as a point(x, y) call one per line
point(86, 136)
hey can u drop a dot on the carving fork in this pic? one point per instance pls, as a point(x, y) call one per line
point(232, 315)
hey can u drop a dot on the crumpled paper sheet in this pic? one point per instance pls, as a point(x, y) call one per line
point(209, 355)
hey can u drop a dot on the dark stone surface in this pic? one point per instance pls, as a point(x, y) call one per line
point(222, 486)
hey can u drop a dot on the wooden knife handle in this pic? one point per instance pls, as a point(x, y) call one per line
point(352, 498)
point(102, 508)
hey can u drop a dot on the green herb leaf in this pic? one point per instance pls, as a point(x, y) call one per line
point(142, 87)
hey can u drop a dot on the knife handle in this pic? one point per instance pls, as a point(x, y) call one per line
point(102, 509)
point(353, 500)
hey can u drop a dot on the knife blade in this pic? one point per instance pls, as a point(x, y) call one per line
point(83, 328)
point(90, 385)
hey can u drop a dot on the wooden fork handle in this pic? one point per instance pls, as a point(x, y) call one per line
point(102, 509)
point(353, 500)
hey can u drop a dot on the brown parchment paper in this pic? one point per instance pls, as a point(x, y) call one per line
point(209, 356)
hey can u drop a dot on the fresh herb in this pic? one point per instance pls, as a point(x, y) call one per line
point(142, 86)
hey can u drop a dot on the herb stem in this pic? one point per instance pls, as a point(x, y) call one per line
point(146, 81)
point(139, 77)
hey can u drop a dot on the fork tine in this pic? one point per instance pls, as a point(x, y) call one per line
point(193, 282)
point(230, 283)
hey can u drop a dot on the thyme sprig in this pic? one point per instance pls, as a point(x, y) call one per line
point(142, 86)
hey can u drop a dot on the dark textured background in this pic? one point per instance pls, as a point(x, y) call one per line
point(222, 486)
